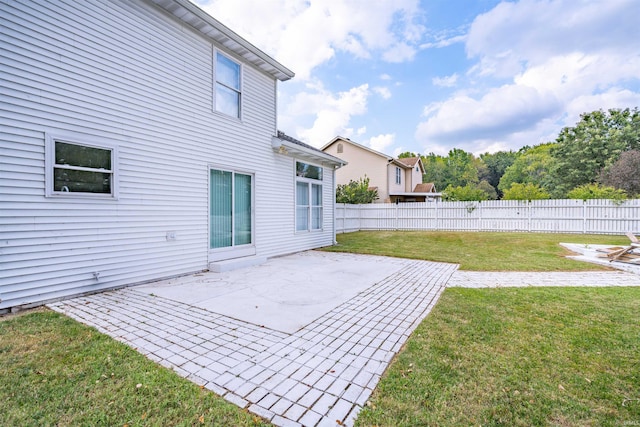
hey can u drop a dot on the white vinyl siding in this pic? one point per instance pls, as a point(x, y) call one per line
point(126, 73)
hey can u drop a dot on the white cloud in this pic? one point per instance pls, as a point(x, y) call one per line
point(400, 52)
point(447, 81)
point(444, 42)
point(382, 142)
point(397, 151)
point(506, 109)
point(555, 59)
point(303, 34)
point(514, 35)
point(332, 112)
point(384, 92)
point(613, 98)
point(385, 77)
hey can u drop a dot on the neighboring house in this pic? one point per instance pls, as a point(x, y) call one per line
point(138, 142)
point(397, 180)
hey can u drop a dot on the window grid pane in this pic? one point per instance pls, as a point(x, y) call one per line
point(82, 156)
point(302, 206)
point(227, 72)
point(316, 218)
point(227, 101)
point(75, 181)
point(302, 218)
point(305, 170)
point(316, 208)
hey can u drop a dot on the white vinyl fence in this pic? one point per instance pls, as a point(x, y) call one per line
point(544, 216)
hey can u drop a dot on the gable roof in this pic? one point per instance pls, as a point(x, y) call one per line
point(288, 145)
point(412, 162)
point(397, 162)
point(348, 141)
point(201, 21)
point(427, 187)
point(409, 161)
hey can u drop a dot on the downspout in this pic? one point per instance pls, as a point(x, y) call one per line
point(333, 184)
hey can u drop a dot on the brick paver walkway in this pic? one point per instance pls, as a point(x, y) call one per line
point(321, 375)
point(485, 279)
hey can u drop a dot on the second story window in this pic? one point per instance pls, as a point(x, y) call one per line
point(398, 176)
point(227, 86)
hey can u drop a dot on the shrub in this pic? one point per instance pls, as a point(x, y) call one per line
point(528, 191)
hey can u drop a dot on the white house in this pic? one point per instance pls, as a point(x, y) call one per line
point(138, 141)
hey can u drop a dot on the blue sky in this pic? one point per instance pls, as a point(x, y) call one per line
point(432, 75)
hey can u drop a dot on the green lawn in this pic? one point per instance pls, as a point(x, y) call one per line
point(526, 356)
point(517, 357)
point(476, 250)
point(56, 371)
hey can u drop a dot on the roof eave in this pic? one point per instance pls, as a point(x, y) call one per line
point(400, 164)
point(201, 21)
point(295, 150)
point(364, 147)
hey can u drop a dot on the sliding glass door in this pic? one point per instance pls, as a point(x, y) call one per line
point(231, 209)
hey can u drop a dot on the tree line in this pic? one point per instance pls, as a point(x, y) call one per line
point(599, 157)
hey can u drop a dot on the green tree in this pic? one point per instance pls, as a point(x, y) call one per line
point(356, 192)
point(458, 169)
point(489, 189)
point(407, 154)
point(462, 168)
point(496, 165)
point(531, 166)
point(596, 191)
point(528, 191)
point(435, 170)
point(624, 174)
point(468, 192)
point(595, 142)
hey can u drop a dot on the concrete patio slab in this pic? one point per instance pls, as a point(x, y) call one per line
point(285, 293)
point(320, 375)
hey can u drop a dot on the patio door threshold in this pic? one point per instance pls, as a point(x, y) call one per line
point(235, 263)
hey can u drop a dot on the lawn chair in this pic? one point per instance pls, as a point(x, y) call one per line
point(635, 244)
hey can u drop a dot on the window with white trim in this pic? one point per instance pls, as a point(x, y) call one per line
point(398, 176)
point(80, 169)
point(309, 208)
point(228, 94)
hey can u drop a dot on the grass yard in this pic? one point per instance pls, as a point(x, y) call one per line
point(512, 357)
point(56, 371)
point(476, 250)
point(517, 357)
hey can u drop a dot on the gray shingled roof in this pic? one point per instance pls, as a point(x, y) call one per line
point(286, 137)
